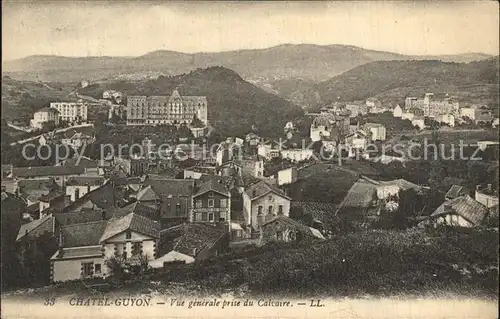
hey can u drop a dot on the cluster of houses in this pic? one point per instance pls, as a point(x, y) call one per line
point(447, 111)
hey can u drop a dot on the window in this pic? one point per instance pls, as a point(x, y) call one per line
point(210, 203)
point(280, 209)
point(210, 217)
point(223, 203)
point(270, 209)
point(137, 248)
point(270, 197)
point(198, 217)
point(178, 209)
point(87, 269)
point(124, 255)
point(199, 203)
point(128, 234)
point(260, 210)
point(97, 269)
point(210, 194)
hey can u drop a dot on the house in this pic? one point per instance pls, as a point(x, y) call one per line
point(330, 126)
point(212, 203)
point(469, 112)
point(132, 166)
point(77, 139)
point(456, 191)
point(197, 171)
point(84, 84)
point(285, 229)
point(446, 119)
point(357, 141)
point(356, 109)
point(397, 112)
point(407, 116)
point(488, 196)
point(90, 166)
point(30, 190)
point(191, 242)
point(36, 228)
point(43, 117)
point(377, 131)
point(359, 206)
point(263, 201)
point(267, 151)
point(462, 211)
point(419, 122)
point(253, 166)
point(78, 186)
point(59, 173)
point(71, 111)
point(297, 155)
point(227, 151)
point(386, 189)
point(483, 118)
point(55, 198)
point(373, 102)
point(174, 196)
point(314, 214)
point(287, 175)
point(84, 248)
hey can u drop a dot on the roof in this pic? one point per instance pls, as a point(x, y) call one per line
point(104, 197)
point(47, 109)
point(78, 252)
point(456, 191)
point(147, 194)
point(36, 184)
point(262, 188)
point(133, 222)
point(83, 234)
point(360, 195)
point(31, 226)
point(83, 216)
point(165, 187)
point(82, 161)
point(464, 206)
point(212, 185)
point(401, 183)
point(309, 231)
point(192, 238)
point(53, 194)
point(85, 180)
point(35, 171)
point(148, 210)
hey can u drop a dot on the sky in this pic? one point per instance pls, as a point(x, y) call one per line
point(129, 28)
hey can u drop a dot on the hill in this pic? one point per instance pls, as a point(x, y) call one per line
point(474, 81)
point(234, 105)
point(261, 66)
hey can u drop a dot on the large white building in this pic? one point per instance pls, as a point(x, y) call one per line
point(43, 116)
point(378, 131)
point(71, 111)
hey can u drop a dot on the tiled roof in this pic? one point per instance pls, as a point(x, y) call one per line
point(464, 206)
point(47, 109)
point(36, 171)
point(83, 216)
point(149, 210)
point(147, 194)
point(78, 252)
point(212, 185)
point(36, 184)
point(401, 183)
point(31, 226)
point(312, 232)
point(53, 194)
point(86, 234)
point(85, 181)
point(194, 237)
point(262, 188)
point(131, 222)
point(104, 197)
point(163, 187)
point(360, 195)
point(456, 191)
point(83, 162)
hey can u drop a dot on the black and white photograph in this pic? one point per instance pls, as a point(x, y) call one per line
point(253, 159)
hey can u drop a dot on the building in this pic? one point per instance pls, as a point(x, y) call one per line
point(109, 94)
point(419, 122)
point(407, 116)
point(387, 189)
point(59, 173)
point(196, 172)
point(372, 102)
point(132, 166)
point(173, 109)
point(377, 131)
point(268, 152)
point(71, 111)
point(357, 141)
point(84, 84)
point(446, 119)
point(212, 203)
point(487, 195)
point(285, 229)
point(287, 176)
point(431, 106)
point(456, 191)
point(78, 186)
point(397, 112)
point(330, 126)
point(229, 150)
point(462, 211)
point(84, 248)
point(191, 242)
point(45, 116)
point(297, 155)
point(357, 109)
point(263, 201)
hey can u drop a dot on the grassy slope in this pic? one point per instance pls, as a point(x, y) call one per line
point(373, 263)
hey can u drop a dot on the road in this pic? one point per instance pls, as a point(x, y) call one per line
point(56, 131)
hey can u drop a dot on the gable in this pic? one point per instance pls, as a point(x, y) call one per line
point(122, 237)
